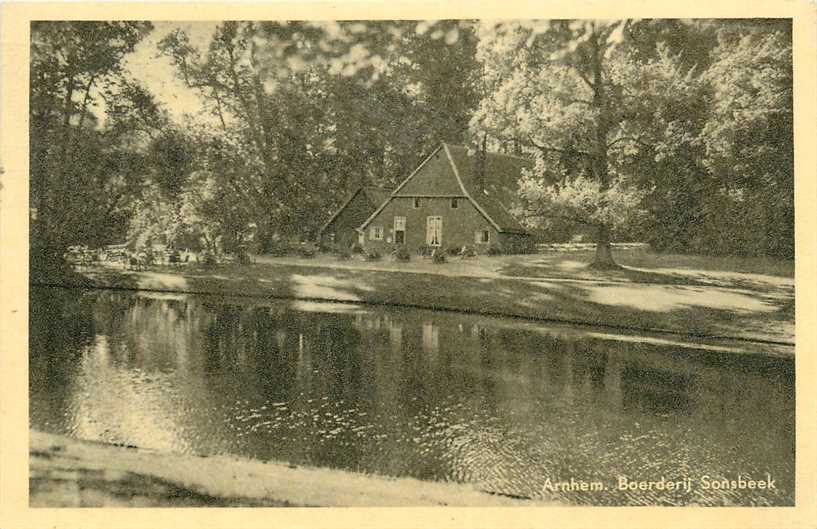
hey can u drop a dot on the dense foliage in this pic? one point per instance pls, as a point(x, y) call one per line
point(317, 110)
point(82, 173)
point(679, 133)
point(674, 132)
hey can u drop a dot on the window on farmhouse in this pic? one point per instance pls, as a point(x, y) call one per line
point(454, 203)
point(482, 237)
point(376, 233)
point(399, 230)
point(416, 203)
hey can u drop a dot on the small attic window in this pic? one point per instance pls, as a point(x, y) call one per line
point(416, 203)
point(454, 203)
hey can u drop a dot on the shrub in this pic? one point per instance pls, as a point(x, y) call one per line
point(454, 250)
point(372, 255)
point(438, 256)
point(356, 248)
point(495, 249)
point(174, 257)
point(468, 251)
point(425, 250)
point(343, 254)
point(401, 254)
point(307, 249)
point(208, 258)
point(243, 258)
point(281, 248)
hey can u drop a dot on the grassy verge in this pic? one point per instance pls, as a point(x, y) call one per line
point(765, 315)
point(638, 266)
point(72, 473)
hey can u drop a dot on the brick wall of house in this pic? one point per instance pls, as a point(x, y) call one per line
point(458, 225)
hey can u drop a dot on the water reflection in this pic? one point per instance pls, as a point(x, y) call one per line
point(408, 393)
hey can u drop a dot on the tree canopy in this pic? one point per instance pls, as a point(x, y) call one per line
point(674, 132)
point(84, 172)
point(678, 132)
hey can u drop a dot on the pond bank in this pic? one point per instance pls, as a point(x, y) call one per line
point(760, 318)
point(67, 472)
point(763, 320)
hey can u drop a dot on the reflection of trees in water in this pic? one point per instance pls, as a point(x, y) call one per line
point(656, 390)
point(393, 357)
point(58, 316)
point(520, 393)
point(61, 327)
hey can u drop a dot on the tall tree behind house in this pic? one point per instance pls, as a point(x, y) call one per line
point(558, 87)
point(631, 122)
point(320, 112)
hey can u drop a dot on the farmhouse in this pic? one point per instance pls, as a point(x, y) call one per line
point(451, 200)
point(341, 228)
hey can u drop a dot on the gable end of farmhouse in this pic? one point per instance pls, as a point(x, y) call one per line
point(451, 200)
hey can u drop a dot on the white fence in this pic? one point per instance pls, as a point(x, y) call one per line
point(587, 246)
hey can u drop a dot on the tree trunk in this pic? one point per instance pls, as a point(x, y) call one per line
point(604, 254)
point(600, 162)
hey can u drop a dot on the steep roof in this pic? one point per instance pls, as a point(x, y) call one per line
point(501, 178)
point(375, 195)
point(501, 181)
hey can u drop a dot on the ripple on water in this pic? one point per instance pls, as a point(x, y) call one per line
point(402, 393)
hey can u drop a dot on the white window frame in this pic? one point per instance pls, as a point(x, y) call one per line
point(440, 234)
point(479, 239)
point(376, 233)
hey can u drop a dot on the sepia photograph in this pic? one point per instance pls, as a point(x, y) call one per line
point(405, 263)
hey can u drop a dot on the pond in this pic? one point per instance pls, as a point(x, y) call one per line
point(515, 408)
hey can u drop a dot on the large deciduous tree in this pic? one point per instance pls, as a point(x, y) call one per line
point(275, 119)
point(748, 139)
point(82, 170)
point(564, 91)
point(688, 124)
point(321, 108)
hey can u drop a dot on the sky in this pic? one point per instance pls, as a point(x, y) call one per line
point(158, 73)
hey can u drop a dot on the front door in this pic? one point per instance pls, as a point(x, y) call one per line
point(434, 231)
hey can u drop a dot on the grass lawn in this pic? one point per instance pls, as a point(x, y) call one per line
point(703, 302)
point(649, 267)
point(638, 265)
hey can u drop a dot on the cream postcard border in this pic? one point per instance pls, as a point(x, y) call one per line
point(14, 54)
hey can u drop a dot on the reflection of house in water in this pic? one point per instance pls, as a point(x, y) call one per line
point(572, 368)
point(304, 367)
point(396, 336)
point(431, 337)
point(281, 340)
